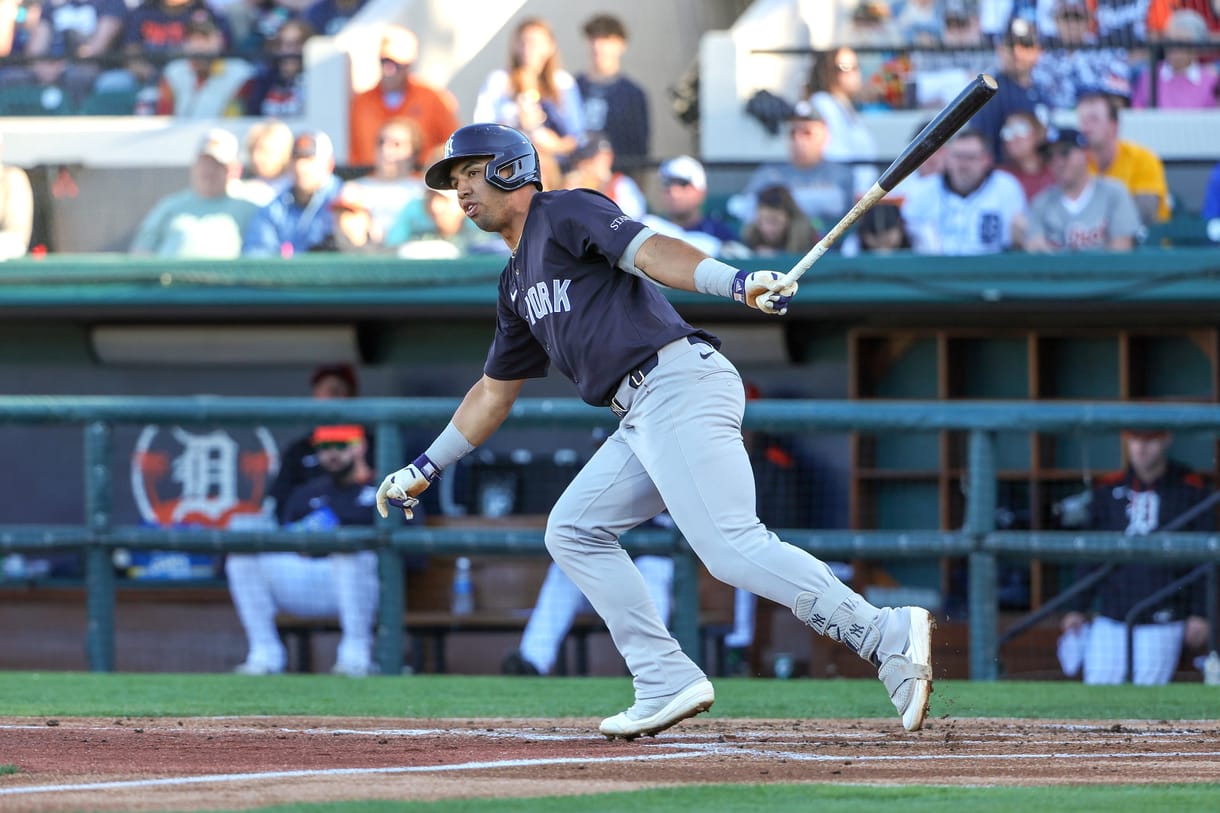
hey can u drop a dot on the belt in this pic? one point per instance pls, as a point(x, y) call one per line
point(635, 378)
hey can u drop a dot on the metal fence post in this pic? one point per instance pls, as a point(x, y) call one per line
point(983, 579)
point(99, 570)
point(685, 616)
point(391, 602)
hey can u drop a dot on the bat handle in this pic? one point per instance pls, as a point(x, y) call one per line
point(802, 265)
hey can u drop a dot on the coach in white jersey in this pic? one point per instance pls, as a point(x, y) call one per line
point(970, 209)
point(1081, 211)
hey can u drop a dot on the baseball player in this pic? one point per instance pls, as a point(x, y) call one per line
point(341, 584)
point(580, 291)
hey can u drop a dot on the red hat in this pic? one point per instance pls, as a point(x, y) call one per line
point(344, 433)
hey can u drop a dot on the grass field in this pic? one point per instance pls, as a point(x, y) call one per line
point(47, 695)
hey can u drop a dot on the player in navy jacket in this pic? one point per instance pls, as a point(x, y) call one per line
point(1150, 493)
point(581, 292)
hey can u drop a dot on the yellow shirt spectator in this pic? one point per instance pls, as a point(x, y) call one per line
point(1141, 171)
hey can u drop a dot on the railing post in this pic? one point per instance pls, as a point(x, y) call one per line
point(980, 521)
point(99, 570)
point(391, 602)
point(684, 622)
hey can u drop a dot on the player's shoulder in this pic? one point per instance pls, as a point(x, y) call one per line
point(1111, 479)
point(1138, 153)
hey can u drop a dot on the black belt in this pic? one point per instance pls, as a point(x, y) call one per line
point(636, 377)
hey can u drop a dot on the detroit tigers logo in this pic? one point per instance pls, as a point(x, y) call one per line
point(541, 299)
point(206, 479)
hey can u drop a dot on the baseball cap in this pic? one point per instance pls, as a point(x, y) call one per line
point(1064, 135)
point(311, 144)
point(399, 45)
point(1021, 32)
point(683, 169)
point(345, 433)
point(591, 146)
point(960, 9)
point(344, 372)
point(804, 111)
point(220, 145)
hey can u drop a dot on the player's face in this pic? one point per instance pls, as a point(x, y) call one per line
point(480, 201)
point(336, 458)
point(1148, 454)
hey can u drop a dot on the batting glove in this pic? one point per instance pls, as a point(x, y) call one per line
point(752, 288)
point(402, 488)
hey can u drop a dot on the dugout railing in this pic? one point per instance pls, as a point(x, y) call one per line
point(977, 540)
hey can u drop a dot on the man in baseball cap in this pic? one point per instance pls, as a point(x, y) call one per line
point(204, 220)
point(1080, 211)
point(299, 219)
point(683, 197)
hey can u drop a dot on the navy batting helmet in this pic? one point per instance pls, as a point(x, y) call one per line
point(504, 147)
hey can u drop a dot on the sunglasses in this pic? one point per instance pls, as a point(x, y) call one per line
point(1073, 17)
point(1060, 150)
point(331, 446)
point(677, 182)
point(1018, 129)
point(847, 67)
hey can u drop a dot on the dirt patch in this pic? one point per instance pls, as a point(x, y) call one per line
point(237, 763)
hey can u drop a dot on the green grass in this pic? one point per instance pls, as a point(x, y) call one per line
point(821, 798)
point(76, 694)
point(45, 695)
point(7, 769)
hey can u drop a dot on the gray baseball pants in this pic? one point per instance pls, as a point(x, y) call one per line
point(679, 448)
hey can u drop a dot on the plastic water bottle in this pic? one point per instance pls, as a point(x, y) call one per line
point(1211, 669)
point(463, 588)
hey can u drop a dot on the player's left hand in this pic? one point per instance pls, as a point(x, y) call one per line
point(753, 288)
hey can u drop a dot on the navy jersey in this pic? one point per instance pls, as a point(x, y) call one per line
point(323, 503)
point(563, 301)
point(1122, 503)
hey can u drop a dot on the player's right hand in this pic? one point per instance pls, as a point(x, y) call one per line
point(402, 488)
point(753, 288)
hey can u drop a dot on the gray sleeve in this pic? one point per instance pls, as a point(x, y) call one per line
point(626, 261)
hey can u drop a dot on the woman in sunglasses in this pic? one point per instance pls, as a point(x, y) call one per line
point(836, 85)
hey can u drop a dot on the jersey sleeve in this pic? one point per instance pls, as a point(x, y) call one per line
point(587, 223)
point(514, 353)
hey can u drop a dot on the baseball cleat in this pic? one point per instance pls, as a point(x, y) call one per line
point(907, 676)
point(655, 715)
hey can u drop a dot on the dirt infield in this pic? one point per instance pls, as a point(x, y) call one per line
point(237, 763)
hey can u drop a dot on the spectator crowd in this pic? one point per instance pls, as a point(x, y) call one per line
point(1043, 168)
point(1011, 180)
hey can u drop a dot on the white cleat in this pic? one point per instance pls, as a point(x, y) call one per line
point(908, 676)
point(655, 715)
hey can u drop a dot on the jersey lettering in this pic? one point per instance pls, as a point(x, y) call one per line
point(542, 300)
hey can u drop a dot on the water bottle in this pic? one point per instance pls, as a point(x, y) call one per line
point(463, 588)
point(1211, 669)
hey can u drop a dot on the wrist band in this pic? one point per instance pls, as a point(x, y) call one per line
point(715, 278)
point(449, 447)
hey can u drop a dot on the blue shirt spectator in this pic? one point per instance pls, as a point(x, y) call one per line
point(299, 218)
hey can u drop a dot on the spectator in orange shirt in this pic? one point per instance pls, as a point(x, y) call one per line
point(398, 96)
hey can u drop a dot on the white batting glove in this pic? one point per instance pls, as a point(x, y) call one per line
point(752, 288)
point(402, 488)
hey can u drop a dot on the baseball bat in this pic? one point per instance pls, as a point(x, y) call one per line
point(930, 139)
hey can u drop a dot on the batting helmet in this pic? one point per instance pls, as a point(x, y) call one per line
point(504, 147)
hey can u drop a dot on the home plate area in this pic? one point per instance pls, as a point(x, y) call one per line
point(233, 763)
